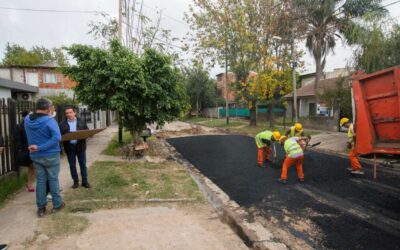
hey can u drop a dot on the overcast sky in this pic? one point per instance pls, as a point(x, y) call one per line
point(55, 29)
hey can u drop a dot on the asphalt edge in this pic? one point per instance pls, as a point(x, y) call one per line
point(379, 163)
point(253, 234)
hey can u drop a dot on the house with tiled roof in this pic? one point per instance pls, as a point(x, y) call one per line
point(307, 103)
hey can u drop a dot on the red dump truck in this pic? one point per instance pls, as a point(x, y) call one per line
point(377, 111)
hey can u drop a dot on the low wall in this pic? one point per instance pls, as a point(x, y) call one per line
point(320, 123)
point(207, 112)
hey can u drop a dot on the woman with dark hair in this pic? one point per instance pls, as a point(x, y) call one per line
point(23, 158)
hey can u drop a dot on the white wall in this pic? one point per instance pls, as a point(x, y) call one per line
point(5, 93)
point(5, 73)
point(289, 108)
point(304, 106)
point(18, 75)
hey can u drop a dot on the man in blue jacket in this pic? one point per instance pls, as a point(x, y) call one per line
point(43, 138)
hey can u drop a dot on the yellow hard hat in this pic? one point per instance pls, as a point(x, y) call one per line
point(298, 126)
point(343, 121)
point(276, 135)
point(282, 139)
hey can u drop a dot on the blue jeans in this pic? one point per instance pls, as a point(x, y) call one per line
point(72, 155)
point(47, 170)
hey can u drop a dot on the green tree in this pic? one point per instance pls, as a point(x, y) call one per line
point(200, 88)
point(377, 44)
point(143, 90)
point(18, 55)
point(328, 20)
point(338, 97)
point(241, 34)
point(61, 99)
point(43, 53)
point(60, 57)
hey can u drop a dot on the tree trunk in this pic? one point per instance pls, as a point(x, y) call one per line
point(197, 108)
point(135, 137)
point(271, 114)
point(253, 116)
point(318, 73)
point(120, 139)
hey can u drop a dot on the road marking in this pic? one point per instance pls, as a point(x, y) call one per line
point(382, 222)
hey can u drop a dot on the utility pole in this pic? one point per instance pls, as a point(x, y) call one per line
point(226, 88)
point(120, 4)
point(294, 65)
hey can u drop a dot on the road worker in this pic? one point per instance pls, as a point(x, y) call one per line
point(294, 156)
point(263, 141)
point(356, 167)
point(296, 131)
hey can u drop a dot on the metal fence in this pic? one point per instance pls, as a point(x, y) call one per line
point(245, 112)
point(10, 117)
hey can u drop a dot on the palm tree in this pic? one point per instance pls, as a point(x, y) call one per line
point(322, 34)
point(327, 21)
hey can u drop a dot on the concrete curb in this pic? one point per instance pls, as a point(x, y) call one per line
point(253, 234)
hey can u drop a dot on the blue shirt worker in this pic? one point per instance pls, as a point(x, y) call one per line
point(75, 149)
point(44, 137)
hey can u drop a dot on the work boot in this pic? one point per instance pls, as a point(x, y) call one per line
point(282, 181)
point(41, 212)
point(86, 185)
point(58, 209)
point(75, 185)
point(358, 171)
point(301, 180)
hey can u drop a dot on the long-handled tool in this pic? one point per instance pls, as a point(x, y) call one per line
point(315, 144)
point(312, 145)
point(275, 156)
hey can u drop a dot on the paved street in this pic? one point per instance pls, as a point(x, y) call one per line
point(335, 209)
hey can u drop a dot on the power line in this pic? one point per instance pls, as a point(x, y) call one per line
point(168, 43)
point(390, 4)
point(170, 17)
point(52, 10)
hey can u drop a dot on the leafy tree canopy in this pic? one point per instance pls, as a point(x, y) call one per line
point(61, 99)
point(18, 55)
point(144, 90)
point(377, 44)
point(200, 88)
point(338, 97)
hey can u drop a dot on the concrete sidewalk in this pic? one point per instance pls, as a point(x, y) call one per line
point(330, 141)
point(18, 219)
point(159, 225)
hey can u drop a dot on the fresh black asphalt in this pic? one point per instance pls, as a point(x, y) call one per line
point(349, 212)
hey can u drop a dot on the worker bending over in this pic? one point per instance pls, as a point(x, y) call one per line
point(263, 142)
point(356, 167)
point(294, 156)
point(297, 131)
